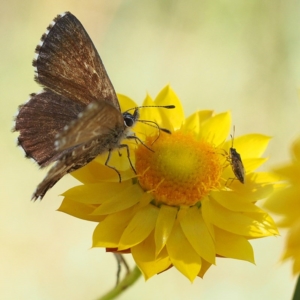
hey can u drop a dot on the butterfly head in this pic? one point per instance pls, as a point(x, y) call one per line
point(130, 119)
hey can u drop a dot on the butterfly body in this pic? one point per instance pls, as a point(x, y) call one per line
point(77, 116)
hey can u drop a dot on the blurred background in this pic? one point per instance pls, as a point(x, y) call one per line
point(242, 56)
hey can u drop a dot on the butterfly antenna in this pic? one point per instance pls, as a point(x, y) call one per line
point(159, 106)
point(155, 125)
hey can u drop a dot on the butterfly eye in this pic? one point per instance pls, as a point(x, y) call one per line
point(129, 119)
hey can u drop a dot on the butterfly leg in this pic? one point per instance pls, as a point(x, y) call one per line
point(139, 140)
point(106, 163)
point(128, 156)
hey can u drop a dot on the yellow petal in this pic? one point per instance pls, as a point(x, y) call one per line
point(96, 193)
point(109, 231)
point(95, 172)
point(145, 200)
point(233, 246)
point(148, 101)
point(286, 221)
point(164, 225)
point(160, 116)
point(247, 224)
point(216, 129)
point(198, 235)
point(290, 172)
point(119, 160)
point(296, 149)
point(126, 102)
point(249, 145)
point(204, 268)
point(139, 227)
point(79, 210)
point(264, 178)
point(145, 258)
point(168, 97)
point(182, 254)
point(251, 164)
point(91, 173)
point(293, 240)
point(292, 249)
point(263, 224)
point(259, 185)
point(204, 115)
point(233, 201)
point(285, 201)
point(192, 124)
point(209, 225)
point(126, 198)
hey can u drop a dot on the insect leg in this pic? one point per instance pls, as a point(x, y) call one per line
point(106, 163)
point(128, 156)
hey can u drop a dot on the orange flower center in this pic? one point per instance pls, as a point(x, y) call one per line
point(180, 171)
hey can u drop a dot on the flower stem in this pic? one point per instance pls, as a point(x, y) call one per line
point(297, 290)
point(128, 280)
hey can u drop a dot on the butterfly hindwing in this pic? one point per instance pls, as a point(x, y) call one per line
point(40, 120)
point(70, 160)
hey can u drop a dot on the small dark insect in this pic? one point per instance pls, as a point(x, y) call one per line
point(77, 116)
point(236, 162)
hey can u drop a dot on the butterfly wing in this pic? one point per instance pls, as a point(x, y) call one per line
point(40, 120)
point(71, 160)
point(68, 63)
point(99, 119)
point(83, 141)
point(78, 110)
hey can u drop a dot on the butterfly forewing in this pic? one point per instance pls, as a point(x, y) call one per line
point(68, 63)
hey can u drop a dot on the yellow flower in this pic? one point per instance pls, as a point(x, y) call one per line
point(285, 202)
point(183, 208)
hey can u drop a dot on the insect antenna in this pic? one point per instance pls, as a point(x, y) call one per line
point(232, 136)
point(152, 123)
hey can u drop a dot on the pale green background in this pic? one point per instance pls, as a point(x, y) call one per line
point(242, 56)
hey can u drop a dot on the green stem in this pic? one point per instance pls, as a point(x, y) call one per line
point(297, 290)
point(128, 280)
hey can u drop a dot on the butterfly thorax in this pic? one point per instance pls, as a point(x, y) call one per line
point(108, 141)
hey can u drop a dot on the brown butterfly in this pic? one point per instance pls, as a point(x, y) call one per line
point(77, 116)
